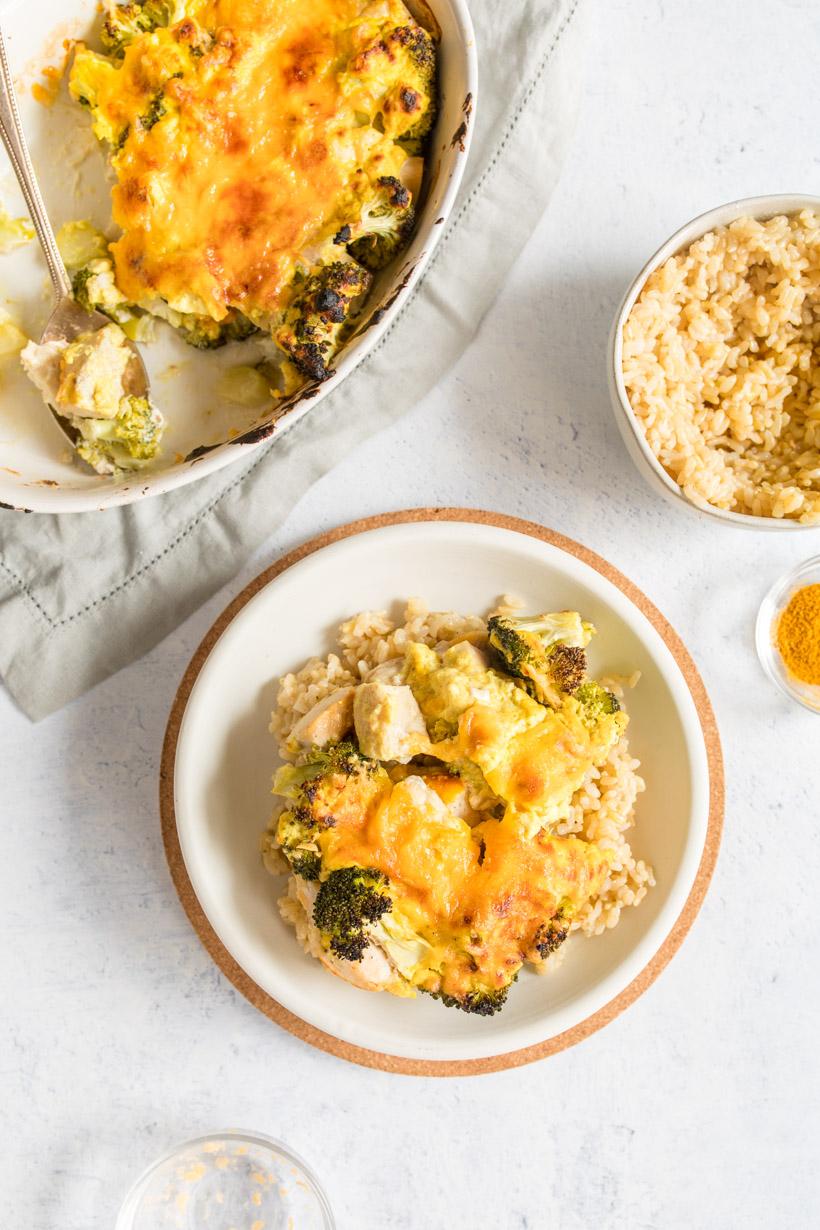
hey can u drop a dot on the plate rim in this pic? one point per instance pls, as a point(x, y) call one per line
point(381, 1060)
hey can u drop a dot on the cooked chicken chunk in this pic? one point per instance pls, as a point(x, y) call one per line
point(328, 721)
point(389, 723)
point(391, 671)
point(465, 654)
point(85, 378)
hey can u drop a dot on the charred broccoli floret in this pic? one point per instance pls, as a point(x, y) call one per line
point(550, 935)
point(314, 322)
point(419, 89)
point(347, 902)
point(483, 1001)
point(128, 21)
point(126, 442)
point(384, 228)
point(545, 651)
point(392, 83)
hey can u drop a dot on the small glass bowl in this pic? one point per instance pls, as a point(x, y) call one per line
point(229, 1180)
point(776, 600)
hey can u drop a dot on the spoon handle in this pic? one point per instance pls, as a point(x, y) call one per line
point(11, 134)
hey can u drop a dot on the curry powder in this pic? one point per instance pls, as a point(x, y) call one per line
point(798, 634)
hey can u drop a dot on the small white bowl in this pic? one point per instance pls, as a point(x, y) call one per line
point(775, 602)
point(230, 1178)
point(760, 207)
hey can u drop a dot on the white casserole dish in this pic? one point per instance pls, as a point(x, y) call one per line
point(37, 472)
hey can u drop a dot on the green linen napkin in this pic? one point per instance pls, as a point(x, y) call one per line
point(83, 595)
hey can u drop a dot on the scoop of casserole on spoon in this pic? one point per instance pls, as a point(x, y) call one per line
point(88, 371)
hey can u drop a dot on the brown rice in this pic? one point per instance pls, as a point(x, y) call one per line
point(718, 366)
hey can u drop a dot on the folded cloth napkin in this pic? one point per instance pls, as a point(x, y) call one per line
point(82, 595)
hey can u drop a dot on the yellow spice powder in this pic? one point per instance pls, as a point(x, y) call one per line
point(798, 634)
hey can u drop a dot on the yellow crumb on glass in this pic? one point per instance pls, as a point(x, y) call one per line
point(213, 1146)
point(222, 1162)
point(258, 1225)
point(256, 1198)
point(195, 1173)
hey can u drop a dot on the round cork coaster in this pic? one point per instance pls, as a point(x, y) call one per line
point(377, 1059)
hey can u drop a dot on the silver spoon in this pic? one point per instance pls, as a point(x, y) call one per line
point(68, 318)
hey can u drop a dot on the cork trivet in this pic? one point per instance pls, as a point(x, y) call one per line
point(425, 1067)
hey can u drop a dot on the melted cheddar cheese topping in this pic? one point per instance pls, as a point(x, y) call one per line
point(475, 896)
point(242, 140)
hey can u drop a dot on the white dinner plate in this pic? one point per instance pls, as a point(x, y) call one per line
point(219, 757)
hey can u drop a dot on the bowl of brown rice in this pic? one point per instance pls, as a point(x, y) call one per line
point(711, 365)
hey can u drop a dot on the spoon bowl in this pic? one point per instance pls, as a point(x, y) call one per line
point(69, 319)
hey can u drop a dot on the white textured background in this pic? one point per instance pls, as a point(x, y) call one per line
point(700, 1107)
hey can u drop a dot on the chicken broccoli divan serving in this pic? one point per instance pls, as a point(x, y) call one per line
point(267, 158)
point(453, 802)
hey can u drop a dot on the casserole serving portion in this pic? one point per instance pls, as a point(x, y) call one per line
point(267, 156)
point(257, 191)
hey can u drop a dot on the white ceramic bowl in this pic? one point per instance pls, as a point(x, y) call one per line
point(203, 435)
point(222, 758)
point(636, 443)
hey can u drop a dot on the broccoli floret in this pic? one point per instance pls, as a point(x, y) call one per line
point(393, 82)
point(384, 228)
point(545, 651)
point(126, 442)
point(129, 21)
point(296, 837)
point(314, 322)
point(550, 935)
point(207, 334)
point(137, 427)
point(96, 290)
point(323, 765)
point(419, 89)
point(348, 900)
point(204, 334)
point(331, 783)
point(153, 115)
point(306, 863)
point(484, 1001)
point(596, 702)
point(237, 327)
